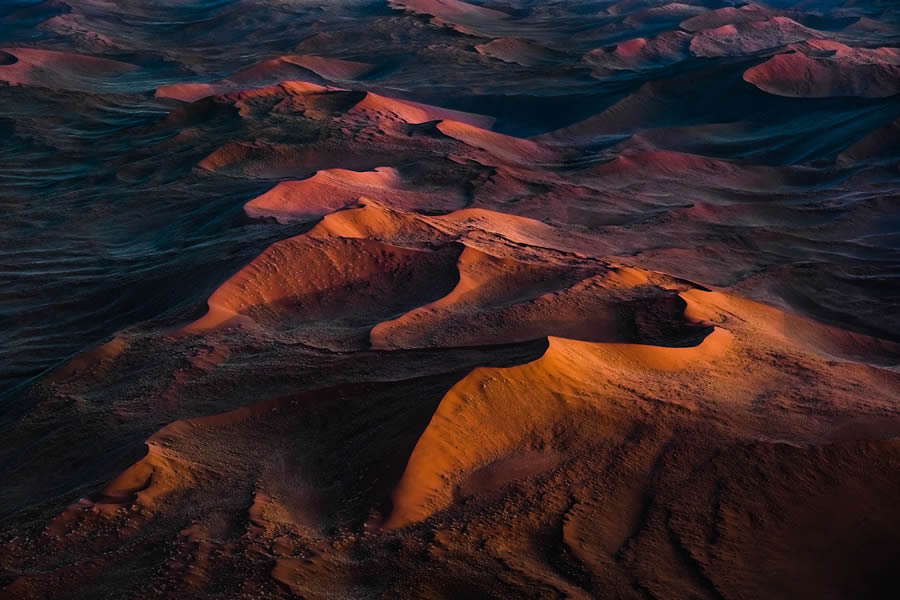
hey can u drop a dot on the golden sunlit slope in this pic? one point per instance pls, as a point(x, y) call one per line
point(449, 299)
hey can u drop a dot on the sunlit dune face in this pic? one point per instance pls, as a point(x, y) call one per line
point(449, 299)
point(415, 113)
point(504, 148)
point(330, 190)
point(303, 281)
point(820, 70)
point(321, 194)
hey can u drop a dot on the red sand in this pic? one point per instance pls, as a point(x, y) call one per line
point(416, 113)
point(504, 148)
point(331, 190)
point(749, 37)
point(60, 70)
point(515, 51)
point(728, 15)
point(641, 53)
point(512, 300)
point(452, 12)
point(284, 68)
point(821, 69)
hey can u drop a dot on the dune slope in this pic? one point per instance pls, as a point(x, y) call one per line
point(443, 299)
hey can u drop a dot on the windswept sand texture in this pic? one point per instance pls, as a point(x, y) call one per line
point(449, 299)
point(58, 70)
point(819, 69)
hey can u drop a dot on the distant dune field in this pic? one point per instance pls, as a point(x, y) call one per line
point(449, 299)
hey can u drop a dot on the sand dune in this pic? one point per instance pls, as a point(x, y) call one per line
point(501, 300)
point(641, 53)
point(331, 68)
point(260, 75)
point(665, 12)
point(454, 448)
point(793, 330)
point(503, 147)
point(492, 285)
point(501, 433)
point(726, 32)
point(883, 143)
point(369, 219)
point(516, 51)
point(454, 13)
point(59, 70)
point(270, 161)
point(96, 361)
point(291, 67)
point(479, 228)
point(335, 285)
point(749, 37)
point(443, 299)
point(629, 169)
point(489, 292)
point(821, 69)
point(281, 290)
point(331, 190)
point(728, 15)
point(653, 104)
point(416, 113)
point(341, 130)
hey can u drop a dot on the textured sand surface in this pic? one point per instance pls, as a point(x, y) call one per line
point(449, 299)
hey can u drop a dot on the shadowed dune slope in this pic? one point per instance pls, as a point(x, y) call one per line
point(449, 299)
point(822, 69)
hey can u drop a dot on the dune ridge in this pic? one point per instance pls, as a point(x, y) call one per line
point(463, 16)
point(333, 189)
point(290, 67)
point(449, 299)
point(416, 113)
point(821, 69)
point(62, 70)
